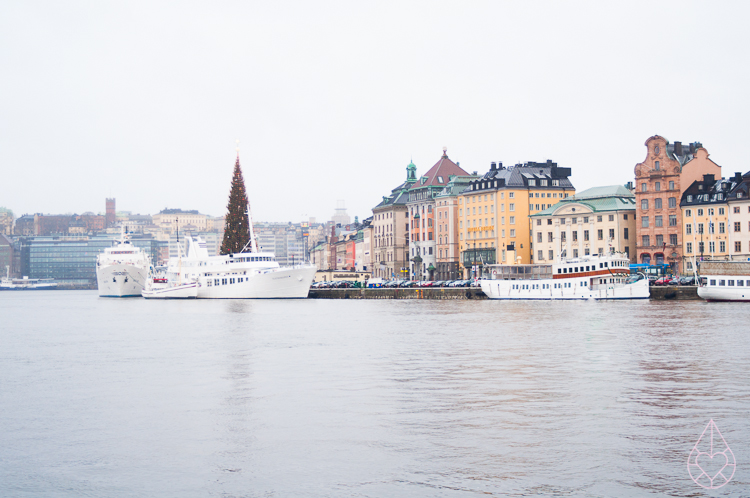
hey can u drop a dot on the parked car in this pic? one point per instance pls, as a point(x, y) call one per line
point(652, 279)
point(675, 281)
point(663, 280)
point(687, 281)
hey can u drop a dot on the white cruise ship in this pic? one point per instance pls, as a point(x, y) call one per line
point(589, 277)
point(122, 270)
point(246, 275)
point(724, 280)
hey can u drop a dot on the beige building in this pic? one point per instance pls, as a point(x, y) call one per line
point(595, 221)
point(390, 231)
point(169, 220)
point(446, 218)
point(6, 221)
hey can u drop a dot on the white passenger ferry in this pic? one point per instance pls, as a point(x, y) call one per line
point(724, 280)
point(590, 277)
point(121, 270)
point(245, 275)
point(26, 283)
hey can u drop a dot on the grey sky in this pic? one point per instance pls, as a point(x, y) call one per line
point(144, 100)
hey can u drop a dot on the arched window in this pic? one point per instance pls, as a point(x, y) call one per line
point(672, 202)
point(644, 204)
point(646, 259)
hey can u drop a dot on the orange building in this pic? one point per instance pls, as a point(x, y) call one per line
point(660, 180)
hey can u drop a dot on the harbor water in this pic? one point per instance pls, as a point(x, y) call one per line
point(366, 398)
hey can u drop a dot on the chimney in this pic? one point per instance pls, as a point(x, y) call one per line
point(708, 179)
point(737, 177)
point(678, 148)
point(500, 165)
point(493, 166)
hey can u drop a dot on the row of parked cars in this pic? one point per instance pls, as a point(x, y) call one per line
point(336, 284)
point(427, 283)
point(670, 280)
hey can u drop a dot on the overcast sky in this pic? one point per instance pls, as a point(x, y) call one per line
point(143, 101)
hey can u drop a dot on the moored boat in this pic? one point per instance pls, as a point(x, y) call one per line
point(724, 280)
point(597, 277)
point(121, 270)
point(26, 283)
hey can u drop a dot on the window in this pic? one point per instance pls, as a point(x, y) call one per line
point(611, 233)
point(673, 239)
point(710, 211)
point(700, 212)
point(700, 228)
point(625, 234)
point(672, 202)
point(538, 222)
point(701, 247)
point(721, 210)
point(656, 167)
point(541, 255)
point(671, 185)
point(512, 220)
point(710, 227)
point(659, 240)
point(689, 248)
point(644, 187)
point(644, 221)
point(585, 219)
point(511, 206)
point(551, 254)
point(539, 239)
point(532, 183)
point(690, 198)
point(512, 232)
point(585, 235)
point(738, 246)
point(549, 221)
point(511, 195)
point(574, 221)
point(657, 186)
point(646, 241)
point(600, 234)
point(712, 246)
point(599, 219)
point(563, 236)
point(657, 221)
point(736, 209)
point(575, 235)
point(736, 226)
point(673, 220)
point(549, 236)
point(644, 204)
point(722, 246)
point(657, 203)
point(721, 227)
point(688, 212)
point(611, 217)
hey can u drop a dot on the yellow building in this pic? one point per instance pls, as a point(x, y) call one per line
point(705, 223)
point(494, 212)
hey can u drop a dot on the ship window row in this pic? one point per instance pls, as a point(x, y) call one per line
point(729, 283)
point(226, 281)
point(251, 258)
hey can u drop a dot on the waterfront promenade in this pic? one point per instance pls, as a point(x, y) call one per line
point(687, 292)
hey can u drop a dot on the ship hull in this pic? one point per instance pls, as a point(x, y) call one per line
point(545, 290)
point(284, 283)
point(120, 280)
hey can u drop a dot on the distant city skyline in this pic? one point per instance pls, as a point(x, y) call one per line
point(144, 101)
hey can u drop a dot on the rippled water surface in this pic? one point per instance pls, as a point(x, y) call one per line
point(107, 397)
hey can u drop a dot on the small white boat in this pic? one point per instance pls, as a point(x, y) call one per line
point(724, 281)
point(160, 288)
point(26, 283)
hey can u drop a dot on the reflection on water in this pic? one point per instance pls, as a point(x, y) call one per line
point(365, 398)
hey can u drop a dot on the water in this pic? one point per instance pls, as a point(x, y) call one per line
point(107, 397)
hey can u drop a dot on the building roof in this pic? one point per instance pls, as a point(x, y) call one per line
point(456, 185)
point(598, 199)
point(518, 176)
point(709, 190)
point(439, 175)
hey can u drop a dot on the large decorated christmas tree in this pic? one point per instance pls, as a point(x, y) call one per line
point(236, 224)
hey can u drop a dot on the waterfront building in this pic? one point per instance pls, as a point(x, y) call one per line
point(660, 181)
point(738, 218)
point(494, 212)
point(6, 256)
point(390, 231)
point(446, 217)
point(71, 260)
point(421, 212)
point(710, 227)
point(6, 221)
point(596, 221)
point(171, 220)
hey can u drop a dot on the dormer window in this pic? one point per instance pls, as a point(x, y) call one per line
point(424, 180)
point(555, 183)
point(440, 179)
point(739, 195)
point(542, 183)
point(700, 187)
point(532, 183)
